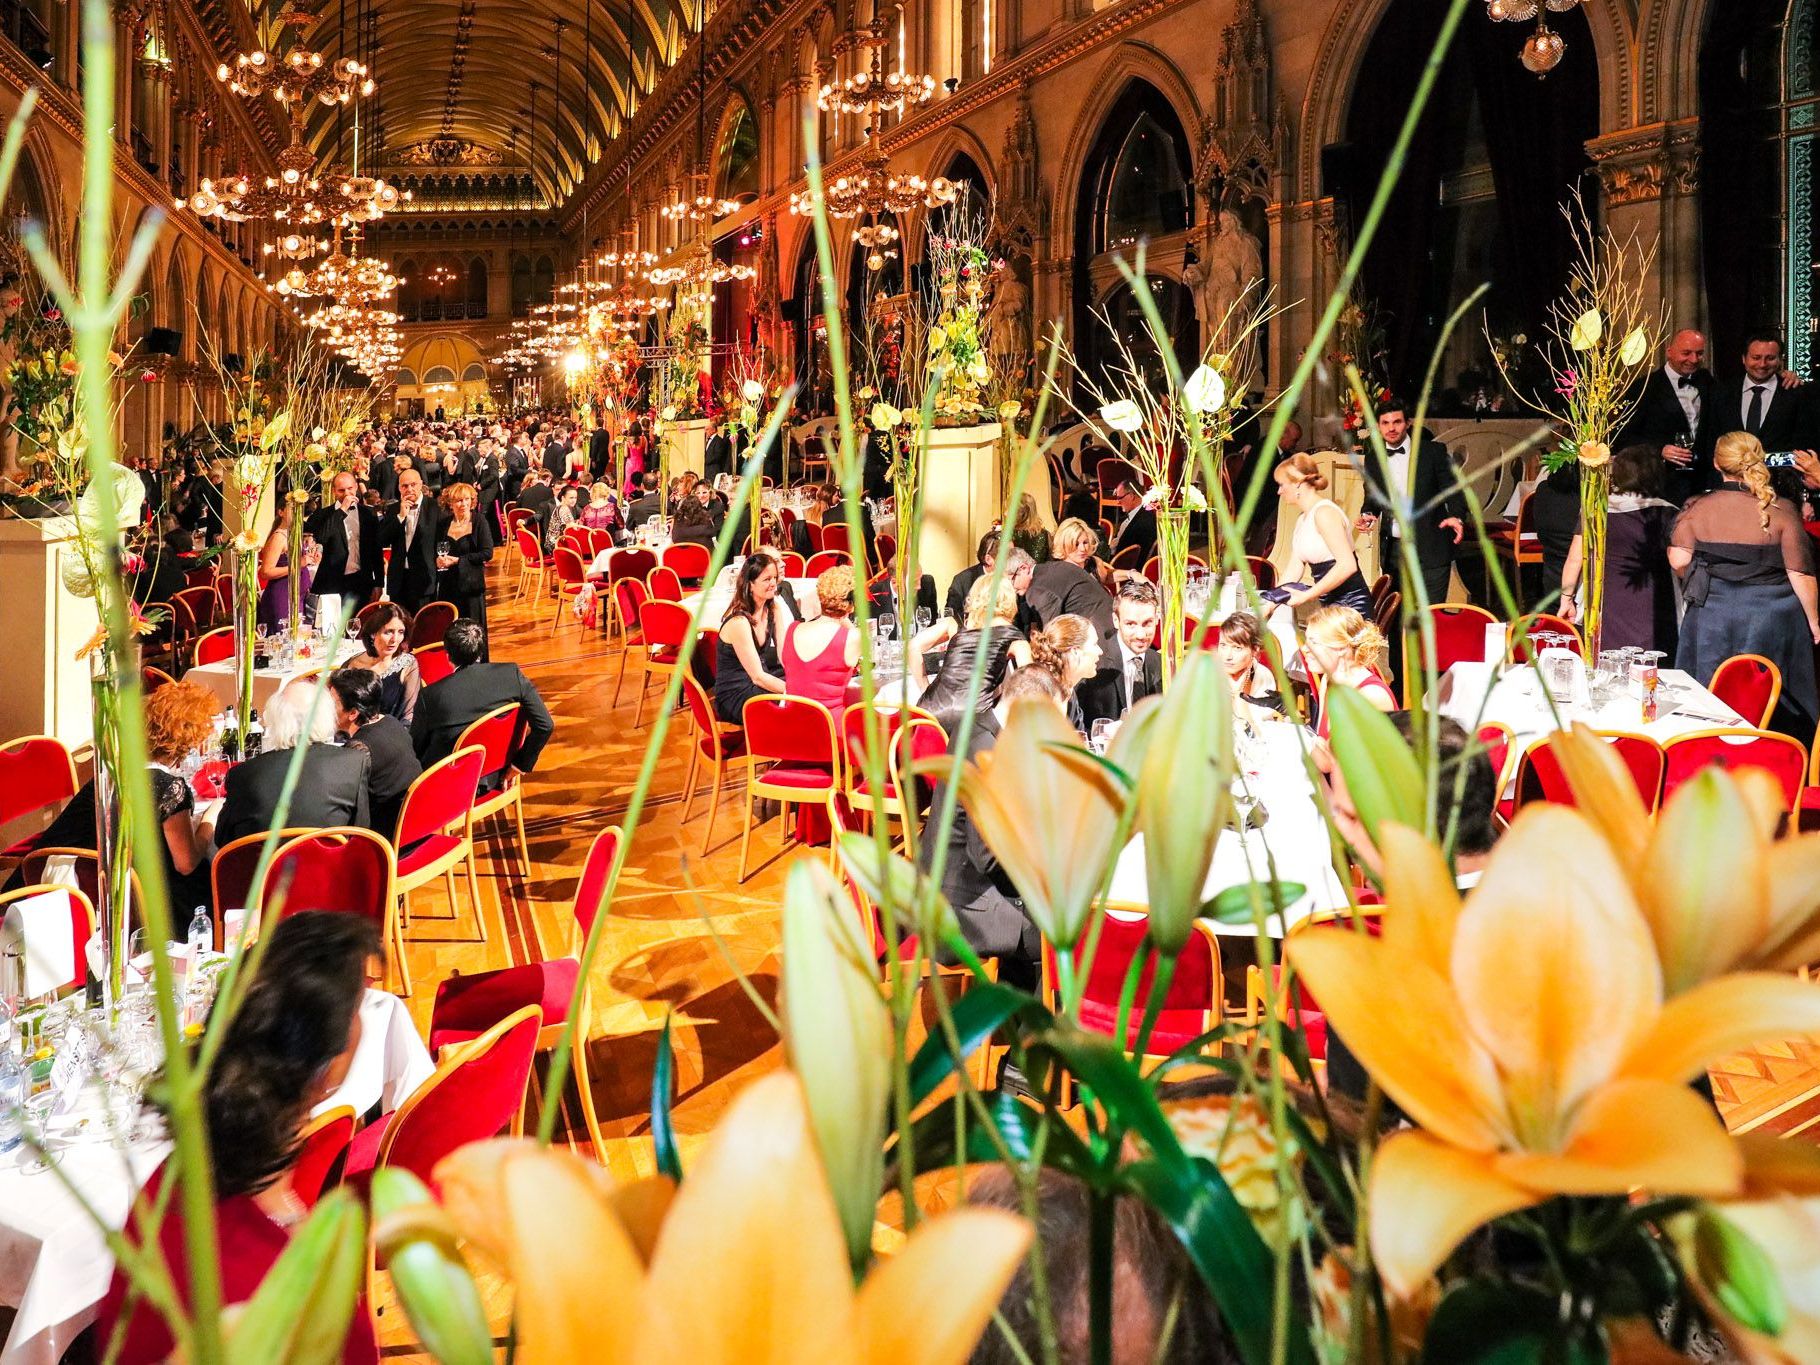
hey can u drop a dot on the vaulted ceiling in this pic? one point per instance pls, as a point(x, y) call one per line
point(478, 84)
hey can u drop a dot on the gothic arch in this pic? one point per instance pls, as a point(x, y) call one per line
point(1129, 61)
point(1669, 36)
point(41, 185)
point(1349, 33)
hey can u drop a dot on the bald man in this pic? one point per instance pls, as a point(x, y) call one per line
point(1675, 414)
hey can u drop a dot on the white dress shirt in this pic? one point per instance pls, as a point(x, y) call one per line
point(1686, 395)
point(1399, 482)
point(352, 518)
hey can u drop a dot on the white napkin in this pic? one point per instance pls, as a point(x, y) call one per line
point(41, 924)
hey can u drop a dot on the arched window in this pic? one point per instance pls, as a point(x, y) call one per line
point(1174, 304)
point(404, 378)
point(521, 284)
point(1140, 180)
point(477, 287)
point(439, 374)
point(736, 158)
point(474, 374)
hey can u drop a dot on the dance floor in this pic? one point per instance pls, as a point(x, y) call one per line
point(659, 956)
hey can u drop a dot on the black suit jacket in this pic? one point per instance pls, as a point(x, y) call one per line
point(1787, 421)
point(1060, 588)
point(1139, 531)
point(410, 578)
point(717, 457)
point(1102, 697)
point(392, 767)
point(955, 604)
point(556, 459)
point(446, 708)
point(331, 790)
point(330, 528)
point(642, 508)
point(541, 499)
point(1434, 475)
point(600, 453)
point(1658, 420)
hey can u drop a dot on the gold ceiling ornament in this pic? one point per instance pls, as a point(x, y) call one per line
point(873, 190)
point(299, 76)
point(1543, 49)
point(343, 274)
point(873, 91)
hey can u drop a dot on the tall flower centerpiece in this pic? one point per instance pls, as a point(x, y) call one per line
point(954, 337)
point(1601, 334)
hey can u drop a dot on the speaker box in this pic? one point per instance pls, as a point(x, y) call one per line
point(163, 340)
point(791, 308)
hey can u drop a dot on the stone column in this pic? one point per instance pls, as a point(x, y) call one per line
point(1650, 180)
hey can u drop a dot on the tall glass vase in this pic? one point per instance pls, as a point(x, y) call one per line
point(113, 834)
point(1595, 497)
point(246, 613)
point(1172, 581)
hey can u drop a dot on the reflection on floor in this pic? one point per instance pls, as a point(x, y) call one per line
point(659, 956)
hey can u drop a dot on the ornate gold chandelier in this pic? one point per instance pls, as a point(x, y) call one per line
point(299, 76)
point(1543, 50)
point(702, 207)
point(874, 91)
point(874, 190)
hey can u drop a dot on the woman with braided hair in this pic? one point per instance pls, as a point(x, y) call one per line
point(1747, 574)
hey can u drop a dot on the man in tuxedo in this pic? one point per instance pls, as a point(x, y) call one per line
point(1136, 527)
point(1437, 528)
point(555, 456)
point(954, 606)
point(600, 453)
point(1134, 670)
point(517, 464)
point(717, 456)
point(447, 707)
point(410, 534)
point(331, 789)
point(1674, 414)
point(647, 504)
point(1764, 401)
point(350, 538)
point(539, 495)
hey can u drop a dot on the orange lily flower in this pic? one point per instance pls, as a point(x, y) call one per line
point(1526, 1033)
point(1720, 891)
point(745, 1262)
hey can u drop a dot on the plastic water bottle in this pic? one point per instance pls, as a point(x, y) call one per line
point(14, 1085)
point(201, 935)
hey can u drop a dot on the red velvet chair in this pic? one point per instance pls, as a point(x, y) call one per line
point(1751, 685)
point(1783, 758)
point(714, 743)
point(433, 663)
point(664, 585)
point(1459, 638)
point(532, 561)
point(436, 835)
point(812, 532)
point(213, 646)
point(664, 628)
point(231, 873)
point(36, 773)
point(1497, 739)
point(794, 565)
point(1541, 778)
point(320, 1148)
point(927, 740)
point(81, 924)
point(150, 680)
point(1301, 1009)
point(571, 577)
point(823, 560)
point(346, 870)
point(478, 1092)
point(834, 537)
point(1191, 1006)
point(192, 613)
point(688, 561)
point(796, 737)
point(633, 562)
point(497, 735)
point(628, 608)
point(431, 623)
point(467, 1006)
point(887, 551)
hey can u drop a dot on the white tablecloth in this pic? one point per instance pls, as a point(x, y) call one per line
point(54, 1262)
point(219, 677)
point(1294, 836)
point(1517, 700)
point(389, 1063)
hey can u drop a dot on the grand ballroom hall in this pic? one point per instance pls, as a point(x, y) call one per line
point(1137, 676)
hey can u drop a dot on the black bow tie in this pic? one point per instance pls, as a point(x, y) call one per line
point(1398, 450)
point(1686, 381)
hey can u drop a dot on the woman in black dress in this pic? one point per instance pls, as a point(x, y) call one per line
point(990, 627)
point(462, 553)
point(1747, 572)
point(747, 665)
point(1639, 586)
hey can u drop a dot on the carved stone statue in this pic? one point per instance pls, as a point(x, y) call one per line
point(1231, 262)
point(1008, 322)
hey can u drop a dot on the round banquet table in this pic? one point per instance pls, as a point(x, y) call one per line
point(1475, 693)
point(1293, 842)
point(218, 677)
point(54, 1262)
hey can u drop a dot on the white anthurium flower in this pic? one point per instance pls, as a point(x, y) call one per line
point(1153, 495)
point(884, 416)
point(1196, 500)
point(669, 413)
point(1205, 391)
point(1587, 330)
point(1123, 415)
point(752, 391)
point(1636, 346)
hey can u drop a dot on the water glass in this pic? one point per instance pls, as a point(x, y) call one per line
point(1561, 675)
point(1100, 735)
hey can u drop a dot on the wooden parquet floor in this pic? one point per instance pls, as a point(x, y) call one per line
point(682, 930)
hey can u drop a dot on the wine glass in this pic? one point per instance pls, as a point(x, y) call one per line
point(1099, 735)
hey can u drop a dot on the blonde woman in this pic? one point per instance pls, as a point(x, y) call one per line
point(1321, 542)
point(1342, 648)
point(989, 627)
point(1066, 585)
point(464, 547)
point(1747, 574)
